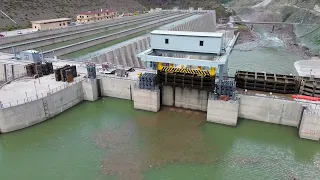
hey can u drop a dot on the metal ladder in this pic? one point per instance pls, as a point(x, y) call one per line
point(46, 109)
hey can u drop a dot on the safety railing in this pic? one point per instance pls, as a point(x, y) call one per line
point(7, 78)
point(28, 99)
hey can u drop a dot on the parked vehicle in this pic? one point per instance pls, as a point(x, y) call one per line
point(19, 32)
point(1, 35)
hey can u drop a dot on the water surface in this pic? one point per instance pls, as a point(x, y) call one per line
point(108, 139)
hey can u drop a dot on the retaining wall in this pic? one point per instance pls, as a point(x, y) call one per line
point(223, 112)
point(185, 98)
point(117, 87)
point(270, 110)
point(206, 23)
point(28, 114)
point(126, 55)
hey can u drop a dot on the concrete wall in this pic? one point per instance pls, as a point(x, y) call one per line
point(270, 110)
point(21, 116)
point(146, 99)
point(117, 87)
point(90, 89)
point(206, 23)
point(125, 55)
point(185, 98)
point(167, 96)
point(223, 112)
point(310, 126)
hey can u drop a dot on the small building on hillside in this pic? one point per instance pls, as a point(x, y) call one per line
point(96, 16)
point(51, 24)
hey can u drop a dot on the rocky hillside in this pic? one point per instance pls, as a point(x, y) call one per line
point(305, 11)
point(25, 11)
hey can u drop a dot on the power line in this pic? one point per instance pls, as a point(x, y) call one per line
point(8, 17)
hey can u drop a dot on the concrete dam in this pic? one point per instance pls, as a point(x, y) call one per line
point(193, 76)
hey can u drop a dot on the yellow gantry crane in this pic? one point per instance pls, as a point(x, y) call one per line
point(198, 72)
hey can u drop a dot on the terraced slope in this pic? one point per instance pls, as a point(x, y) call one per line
point(24, 11)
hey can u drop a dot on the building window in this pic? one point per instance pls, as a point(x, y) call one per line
point(64, 24)
point(166, 41)
point(201, 43)
point(87, 16)
point(35, 27)
point(60, 24)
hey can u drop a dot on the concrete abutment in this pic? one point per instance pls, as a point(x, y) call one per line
point(148, 100)
point(90, 89)
point(223, 112)
point(310, 126)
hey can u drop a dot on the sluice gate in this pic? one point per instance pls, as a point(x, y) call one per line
point(310, 87)
point(187, 78)
point(285, 84)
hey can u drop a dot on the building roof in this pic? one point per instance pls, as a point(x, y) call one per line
point(96, 11)
point(51, 20)
point(188, 33)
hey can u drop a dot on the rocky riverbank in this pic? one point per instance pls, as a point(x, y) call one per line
point(284, 35)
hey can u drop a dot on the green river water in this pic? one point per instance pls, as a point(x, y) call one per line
point(109, 139)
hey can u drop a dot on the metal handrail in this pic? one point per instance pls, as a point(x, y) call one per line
point(4, 105)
